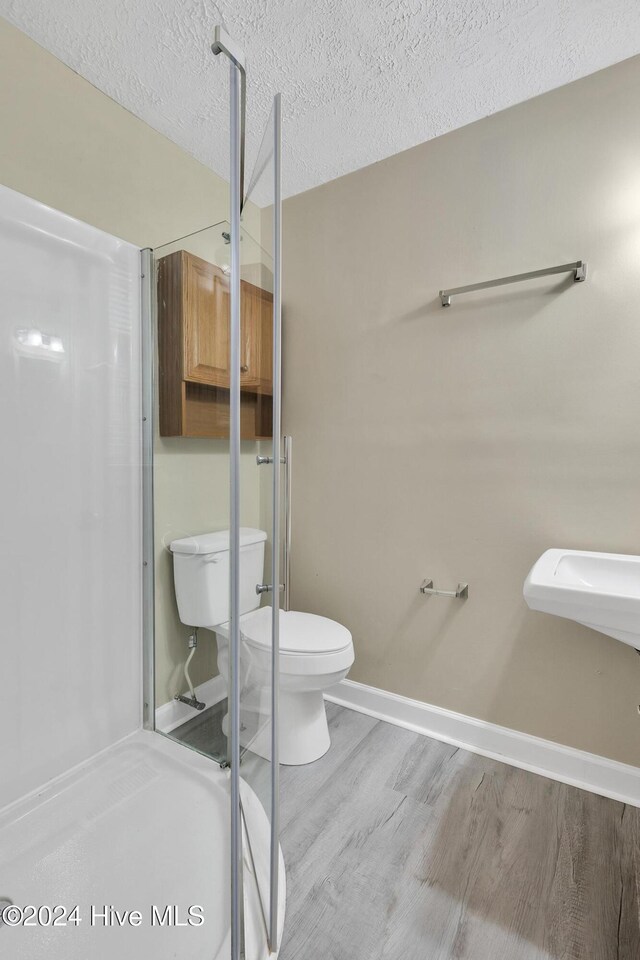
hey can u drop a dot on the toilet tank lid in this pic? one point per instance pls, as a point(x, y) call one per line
point(216, 542)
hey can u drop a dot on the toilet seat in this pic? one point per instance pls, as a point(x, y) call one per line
point(300, 633)
point(309, 644)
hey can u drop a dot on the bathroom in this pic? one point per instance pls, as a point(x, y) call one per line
point(235, 355)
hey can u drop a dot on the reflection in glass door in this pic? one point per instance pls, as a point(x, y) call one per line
point(217, 478)
point(253, 626)
point(260, 382)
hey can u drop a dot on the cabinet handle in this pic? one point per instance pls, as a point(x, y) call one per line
point(244, 368)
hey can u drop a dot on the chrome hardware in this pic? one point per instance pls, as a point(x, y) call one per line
point(580, 274)
point(267, 588)
point(148, 308)
point(286, 565)
point(460, 593)
point(190, 701)
point(276, 428)
point(286, 572)
point(578, 268)
point(237, 110)
point(223, 43)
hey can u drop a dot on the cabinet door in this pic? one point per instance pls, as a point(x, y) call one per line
point(256, 324)
point(205, 290)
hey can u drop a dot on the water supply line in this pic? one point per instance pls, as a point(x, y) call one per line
point(191, 701)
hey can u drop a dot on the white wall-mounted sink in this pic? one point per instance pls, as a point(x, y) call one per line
point(599, 590)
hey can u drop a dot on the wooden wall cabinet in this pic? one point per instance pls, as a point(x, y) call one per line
point(193, 349)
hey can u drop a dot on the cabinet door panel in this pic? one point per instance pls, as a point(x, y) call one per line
point(206, 322)
point(249, 311)
point(265, 357)
point(257, 339)
point(193, 351)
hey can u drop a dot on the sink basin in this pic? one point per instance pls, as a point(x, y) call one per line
point(599, 590)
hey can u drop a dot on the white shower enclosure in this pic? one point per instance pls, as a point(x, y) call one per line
point(71, 493)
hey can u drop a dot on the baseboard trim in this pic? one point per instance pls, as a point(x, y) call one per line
point(170, 715)
point(609, 778)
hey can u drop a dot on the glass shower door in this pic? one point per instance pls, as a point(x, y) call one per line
point(260, 481)
point(217, 503)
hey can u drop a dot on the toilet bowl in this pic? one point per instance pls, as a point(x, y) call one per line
point(314, 652)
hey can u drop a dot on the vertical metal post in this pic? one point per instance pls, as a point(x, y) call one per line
point(287, 522)
point(223, 43)
point(147, 332)
point(275, 539)
point(234, 521)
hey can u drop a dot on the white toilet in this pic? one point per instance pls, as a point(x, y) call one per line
point(315, 652)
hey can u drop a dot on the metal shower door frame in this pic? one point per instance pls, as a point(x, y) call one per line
point(224, 44)
point(275, 538)
point(236, 73)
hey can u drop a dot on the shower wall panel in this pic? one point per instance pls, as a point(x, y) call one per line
point(70, 492)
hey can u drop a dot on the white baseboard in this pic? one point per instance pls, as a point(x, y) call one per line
point(171, 715)
point(619, 781)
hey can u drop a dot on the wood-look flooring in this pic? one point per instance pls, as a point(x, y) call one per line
point(399, 847)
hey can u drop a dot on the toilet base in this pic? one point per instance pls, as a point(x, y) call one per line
point(303, 732)
point(303, 729)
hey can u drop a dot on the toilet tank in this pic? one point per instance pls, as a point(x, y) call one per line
point(201, 575)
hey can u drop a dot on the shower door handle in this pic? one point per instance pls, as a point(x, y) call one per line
point(286, 573)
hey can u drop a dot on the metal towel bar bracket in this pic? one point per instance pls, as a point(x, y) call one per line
point(460, 593)
point(578, 268)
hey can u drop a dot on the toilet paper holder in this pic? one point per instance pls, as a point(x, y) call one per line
point(460, 593)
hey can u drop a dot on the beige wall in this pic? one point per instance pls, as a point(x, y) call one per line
point(70, 146)
point(459, 444)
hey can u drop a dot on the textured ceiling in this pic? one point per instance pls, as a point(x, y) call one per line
point(361, 79)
